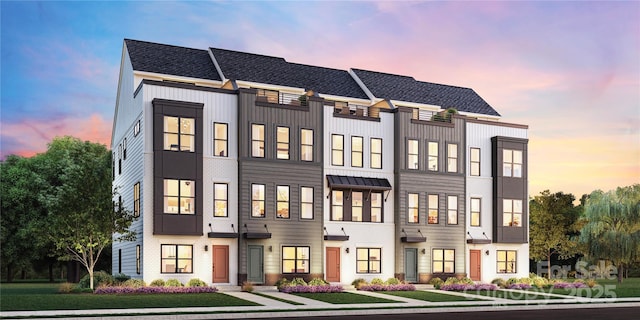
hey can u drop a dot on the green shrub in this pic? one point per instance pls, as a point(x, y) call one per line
point(283, 282)
point(393, 281)
point(317, 282)
point(100, 278)
point(121, 277)
point(66, 287)
point(377, 281)
point(590, 283)
point(173, 283)
point(499, 282)
point(195, 282)
point(511, 281)
point(528, 281)
point(157, 283)
point(134, 283)
point(436, 282)
point(247, 286)
point(539, 282)
point(358, 282)
point(298, 282)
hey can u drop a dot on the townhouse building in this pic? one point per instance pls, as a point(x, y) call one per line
point(244, 167)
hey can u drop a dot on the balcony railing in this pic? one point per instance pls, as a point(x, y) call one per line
point(273, 96)
point(428, 115)
point(352, 109)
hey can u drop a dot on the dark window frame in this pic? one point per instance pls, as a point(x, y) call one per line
point(280, 144)
point(176, 259)
point(513, 213)
point(180, 134)
point(435, 156)
point(287, 201)
point(411, 155)
point(225, 151)
point(263, 142)
point(217, 200)
point(369, 260)
point(377, 154)
point(474, 164)
point(472, 212)
point(334, 150)
point(263, 200)
point(443, 261)
point(138, 258)
point(357, 154)
point(452, 158)
point(430, 207)
point(347, 205)
point(136, 199)
point(514, 263)
point(302, 203)
point(296, 259)
point(304, 146)
point(136, 128)
point(457, 210)
point(411, 208)
point(179, 196)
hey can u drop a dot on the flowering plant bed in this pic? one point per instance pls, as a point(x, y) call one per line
point(151, 290)
point(468, 287)
point(519, 286)
point(311, 289)
point(569, 285)
point(387, 287)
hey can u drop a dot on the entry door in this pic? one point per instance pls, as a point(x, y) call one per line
point(221, 264)
point(411, 264)
point(333, 264)
point(255, 264)
point(475, 265)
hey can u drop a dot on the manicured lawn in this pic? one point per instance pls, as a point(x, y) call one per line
point(428, 296)
point(28, 297)
point(343, 298)
point(605, 289)
point(513, 295)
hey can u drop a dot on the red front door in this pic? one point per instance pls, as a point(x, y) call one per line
point(333, 264)
point(220, 264)
point(475, 265)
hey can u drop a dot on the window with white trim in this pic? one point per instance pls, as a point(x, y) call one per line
point(511, 213)
point(512, 163)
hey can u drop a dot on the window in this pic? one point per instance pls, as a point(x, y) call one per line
point(120, 159)
point(179, 196)
point(376, 153)
point(113, 167)
point(376, 207)
point(507, 261)
point(220, 197)
point(257, 200)
point(356, 206)
point(512, 163)
point(136, 199)
point(138, 258)
point(474, 164)
point(295, 259)
point(452, 210)
point(282, 202)
point(179, 134)
point(368, 260)
point(282, 143)
point(452, 157)
point(220, 140)
point(356, 152)
point(443, 260)
point(433, 209)
point(337, 149)
point(306, 144)
point(433, 156)
point(306, 203)
point(257, 140)
point(124, 149)
point(412, 210)
point(119, 203)
point(337, 205)
point(271, 95)
point(512, 213)
point(412, 154)
point(136, 129)
point(177, 258)
point(475, 212)
point(119, 260)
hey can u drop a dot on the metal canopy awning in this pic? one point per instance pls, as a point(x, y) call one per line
point(413, 239)
point(223, 235)
point(349, 182)
point(473, 240)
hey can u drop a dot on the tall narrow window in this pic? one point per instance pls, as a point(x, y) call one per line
point(136, 129)
point(368, 260)
point(433, 156)
point(376, 207)
point(136, 199)
point(512, 163)
point(433, 209)
point(138, 259)
point(295, 259)
point(474, 161)
point(306, 203)
point(113, 167)
point(452, 157)
point(220, 198)
point(282, 202)
point(412, 154)
point(257, 140)
point(282, 143)
point(475, 212)
point(179, 134)
point(376, 153)
point(337, 149)
point(356, 206)
point(220, 139)
point(257, 200)
point(507, 261)
point(356, 152)
point(176, 258)
point(444, 260)
point(124, 149)
point(120, 159)
point(179, 196)
point(337, 205)
point(412, 210)
point(119, 260)
point(512, 213)
point(306, 144)
point(452, 210)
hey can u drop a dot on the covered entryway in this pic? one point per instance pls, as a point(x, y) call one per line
point(255, 264)
point(475, 265)
point(333, 264)
point(220, 264)
point(411, 264)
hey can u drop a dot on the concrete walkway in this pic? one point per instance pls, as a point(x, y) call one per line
point(271, 308)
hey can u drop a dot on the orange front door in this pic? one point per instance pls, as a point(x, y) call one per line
point(475, 266)
point(333, 264)
point(221, 264)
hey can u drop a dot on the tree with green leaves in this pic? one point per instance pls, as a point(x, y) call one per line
point(552, 226)
point(612, 231)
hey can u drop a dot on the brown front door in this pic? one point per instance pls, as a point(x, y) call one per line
point(221, 264)
point(475, 267)
point(333, 264)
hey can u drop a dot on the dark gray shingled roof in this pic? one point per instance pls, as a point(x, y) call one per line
point(171, 60)
point(244, 66)
point(403, 88)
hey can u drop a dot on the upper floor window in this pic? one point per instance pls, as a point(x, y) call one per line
point(474, 161)
point(306, 144)
point(257, 200)
point(412, 209)
point(179, 134)
point(452, 157)
point(512, 213)
point(282, 202)
point(356, 152)
point(452, 210)
point(376, 153)
point(512, 163)
point(136, 129)
point(282, 143)
point(295, 259)
point(444, 260)
point(220, 199)
point(176, 258)
point(306, 203)
point(220, 140)
point(337, 149)
point(179, 196)
point(124, 149)
point(433, 155)
point(507, 261)
point(412, 154)
point(368, 260)
point(376, 206)
point(337, 205)
point(475, 212)
point(433, 209)
point(257, 140)
point(136, 199)
point(356, 206)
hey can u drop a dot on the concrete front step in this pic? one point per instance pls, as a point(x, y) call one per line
point(424, 286)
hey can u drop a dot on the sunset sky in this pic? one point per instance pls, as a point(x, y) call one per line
point(570, 70)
